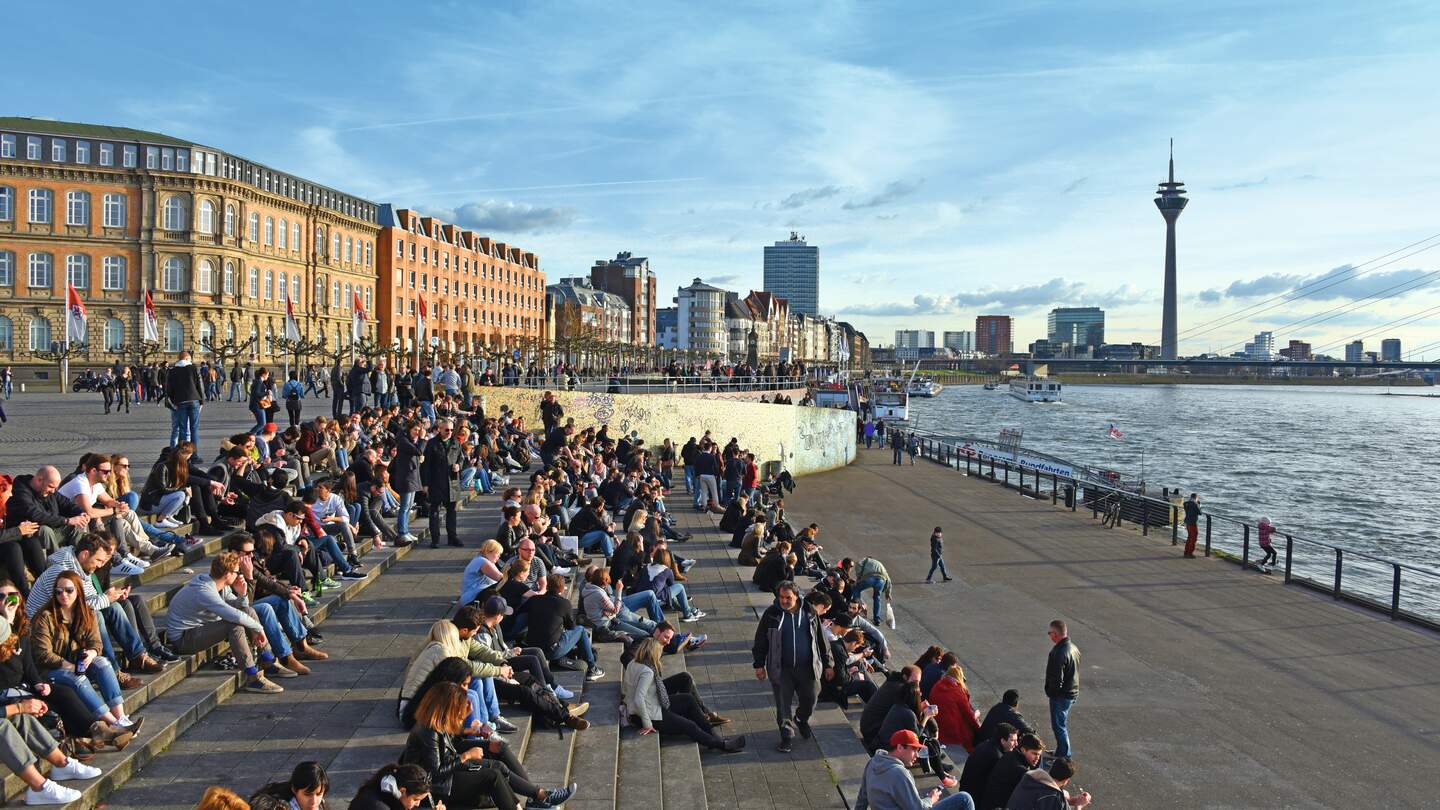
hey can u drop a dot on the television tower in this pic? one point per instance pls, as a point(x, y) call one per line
point(1171, 200)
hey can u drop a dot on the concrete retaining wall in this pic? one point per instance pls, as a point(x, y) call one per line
point(808, 440)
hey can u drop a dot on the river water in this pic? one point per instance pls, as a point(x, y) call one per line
point(1348, 466)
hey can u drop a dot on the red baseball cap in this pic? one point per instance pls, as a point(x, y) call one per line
point(905, 738)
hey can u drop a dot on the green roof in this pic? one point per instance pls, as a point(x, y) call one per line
point(48, 126)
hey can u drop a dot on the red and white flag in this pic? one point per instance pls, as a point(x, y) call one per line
point(292, 326)
point(420, 321)
point(149, 326)
point(357, 317)
point(1115, 433)
point(74, 315)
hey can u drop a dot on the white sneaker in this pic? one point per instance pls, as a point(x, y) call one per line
point(125, 568)
point(167, 523)
point(563, 693)
point(74, 769)
point(136, 561)
point(125, 721)
point(51, 793)
point(561, 570)
point(409, 538)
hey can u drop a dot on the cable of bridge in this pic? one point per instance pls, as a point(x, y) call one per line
point(1310, 288)
point(1401, 321)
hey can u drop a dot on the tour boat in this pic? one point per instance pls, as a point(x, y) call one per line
point(925, 387)
point(991, 386)
point(1035, 389)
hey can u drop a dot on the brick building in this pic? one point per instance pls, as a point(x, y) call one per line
point(220, 242)
point(479, 292)
point(630, 278)
point(994, 334)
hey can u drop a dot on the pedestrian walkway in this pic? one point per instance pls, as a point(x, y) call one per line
point(1200, 686)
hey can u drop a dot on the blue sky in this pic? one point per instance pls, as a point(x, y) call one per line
point(949, 159)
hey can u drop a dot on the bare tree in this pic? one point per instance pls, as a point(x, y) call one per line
point(228, 349)
point(60, 354)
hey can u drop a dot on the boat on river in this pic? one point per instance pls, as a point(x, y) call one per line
point(925, 387)
point(1035, 389)
point(991, 386)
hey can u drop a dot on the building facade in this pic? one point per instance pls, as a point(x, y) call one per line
point(792, 272)
point(1355, 351)
point(583, 312)
point(1262, 347)
point(914, 339)
point(994, 334)
point(667, 328)
point(1390, 350)
point(630, 278)
point(1297, 350)
point(221, 243)
point(963, 341)
point(700, 318)
point(1078, 326)
point(478, 292)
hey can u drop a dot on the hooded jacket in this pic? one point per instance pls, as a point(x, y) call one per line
point(1037, 791)
point(768, 651)
point(276, 519)
point(887, 785)
point(957, 722)
point(182, 383)
point(200, 602)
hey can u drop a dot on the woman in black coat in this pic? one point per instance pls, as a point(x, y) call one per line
point(394, 787)
point(463, 777)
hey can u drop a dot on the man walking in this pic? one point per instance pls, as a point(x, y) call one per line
point(185, 390)
point(1062, 684)
point(1192, 524)
point(937, 556)
point(440, 474)
point(897, 448)
point(791, 650)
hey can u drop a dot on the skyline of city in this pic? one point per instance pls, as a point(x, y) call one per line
point(1029, 215)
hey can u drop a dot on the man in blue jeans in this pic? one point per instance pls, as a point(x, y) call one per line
point(185, 391)
point(1062, 684)
point(552, 628)
point(288, 637)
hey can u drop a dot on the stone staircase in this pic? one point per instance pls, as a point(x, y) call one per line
point(175, 699)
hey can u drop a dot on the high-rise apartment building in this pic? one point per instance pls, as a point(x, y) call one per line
point(1390, 350)
point(792, 272)
point(1297, 350)
point(1355, 351)
point(993, 334)
point(1262, 347)
point(962, 341)
point(629, 277)
point(914, 339)
point(1078, 326)
point(700, 317)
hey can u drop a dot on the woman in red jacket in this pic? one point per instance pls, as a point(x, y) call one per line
point(957, 720)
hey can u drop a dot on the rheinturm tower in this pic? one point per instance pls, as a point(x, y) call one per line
point(1171, 200)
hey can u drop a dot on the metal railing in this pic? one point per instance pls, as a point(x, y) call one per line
point(1400, 590)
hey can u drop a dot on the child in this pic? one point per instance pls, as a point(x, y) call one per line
point(937, 556)
point(1267, 531)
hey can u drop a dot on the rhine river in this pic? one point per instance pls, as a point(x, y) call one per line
point(1346, 466)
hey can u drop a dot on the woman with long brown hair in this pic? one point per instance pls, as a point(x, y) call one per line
point(167, 487)
point(439, 718)
point(67, 652)
point(651, 707)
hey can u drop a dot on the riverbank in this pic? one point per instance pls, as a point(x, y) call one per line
point(1200, 686)
point(1207, 379)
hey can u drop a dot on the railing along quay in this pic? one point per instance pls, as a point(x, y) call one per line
point(1402, 591)
point(657, 383)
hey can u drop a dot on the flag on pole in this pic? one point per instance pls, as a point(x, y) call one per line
point(1115, 433)
point(357, 318)
point(149, 327)
point(420, 321)
point(74, 315)
point(292, 326)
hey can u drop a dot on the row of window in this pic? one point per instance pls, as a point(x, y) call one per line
point(165, 158)
point(464, 314)
point(77, 207)
point(475, 291)
point(113, 335)
point(462, 264)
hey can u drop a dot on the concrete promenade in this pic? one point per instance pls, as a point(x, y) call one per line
point(1201, 686)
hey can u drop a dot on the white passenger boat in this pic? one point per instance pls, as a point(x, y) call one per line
point(925, 387)
point(1035, 389)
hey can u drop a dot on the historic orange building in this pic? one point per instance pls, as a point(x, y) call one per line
point(478, 292)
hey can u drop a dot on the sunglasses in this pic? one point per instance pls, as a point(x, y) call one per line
point(106, 470)
point(65, 590)
point(124, 466)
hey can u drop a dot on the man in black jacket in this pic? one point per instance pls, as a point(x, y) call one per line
point(1008, 772)
point(440, 474)
point(337, 391)
point(1006, 711)
point(790, 650)
point(355, 385)
point(186, 392)
point(1062, 684)
point(985, 757)
point(551, 412)
point(62, 521)
point(552, 628)
point(889, 693)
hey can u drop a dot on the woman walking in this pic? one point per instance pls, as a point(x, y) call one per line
point(262, 399)
point(291, 393)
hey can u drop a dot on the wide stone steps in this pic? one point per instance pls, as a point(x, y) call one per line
point(175, 699)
